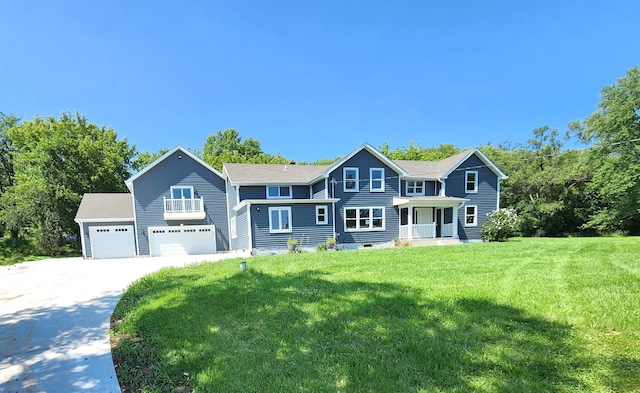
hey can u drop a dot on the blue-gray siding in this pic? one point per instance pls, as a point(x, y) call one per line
point(318, 189)
point(486, 198)
point(431, 188)
point(303, 224)
point(179, 170)
point(365, 198)
point(260, 192)
point(87, 238)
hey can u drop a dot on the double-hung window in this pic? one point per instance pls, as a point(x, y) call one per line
point(279, 192)
point(415, 187)
point(351, 178)
point(471, 181)
point(377, 179)
point(364, 219)
point(280, 219)
point(471, 216)
point(322, 215)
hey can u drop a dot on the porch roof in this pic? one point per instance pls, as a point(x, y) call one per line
point(429, 201)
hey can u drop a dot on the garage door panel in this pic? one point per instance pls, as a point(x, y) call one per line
point(115, 241)
point(182, 240)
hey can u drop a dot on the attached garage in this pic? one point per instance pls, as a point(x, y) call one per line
point(113, 241)
point(182, 240)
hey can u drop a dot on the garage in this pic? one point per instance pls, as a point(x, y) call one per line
point(112, 241)
point(182, 240)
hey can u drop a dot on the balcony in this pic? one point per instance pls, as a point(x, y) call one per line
point(184, 209)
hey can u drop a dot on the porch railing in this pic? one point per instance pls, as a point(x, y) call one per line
point(418, 231)
point(447, 230)
point(183, 206)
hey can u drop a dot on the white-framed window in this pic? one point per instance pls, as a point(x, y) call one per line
point(415, 187)
point(364, 219)
point(279, 192)
point(377, 179)
point(351, 178)
point(471, 216)
point(181, 192)
point(322, 215)
point(471, 181)
point(280, 219)
point(234, 227)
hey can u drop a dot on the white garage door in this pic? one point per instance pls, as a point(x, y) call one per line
point(114, 241)
point(182, 240)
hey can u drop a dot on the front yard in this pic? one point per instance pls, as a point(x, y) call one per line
point(530, 315)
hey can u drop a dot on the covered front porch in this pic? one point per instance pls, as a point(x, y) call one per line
point(429, 217)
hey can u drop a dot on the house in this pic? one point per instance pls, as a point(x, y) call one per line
point(180, 205)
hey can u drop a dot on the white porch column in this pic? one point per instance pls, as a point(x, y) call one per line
point(410, 222)
point(455, 222)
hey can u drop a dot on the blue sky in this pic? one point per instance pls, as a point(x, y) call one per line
point(315, 79)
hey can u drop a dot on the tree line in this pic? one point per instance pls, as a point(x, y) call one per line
point(47, 164)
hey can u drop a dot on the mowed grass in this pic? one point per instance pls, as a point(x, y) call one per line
point(529, 315)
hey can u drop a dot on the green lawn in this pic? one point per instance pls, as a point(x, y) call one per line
point(529, 315)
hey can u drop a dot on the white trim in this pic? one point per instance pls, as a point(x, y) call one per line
point(406, 184)
point(386, 160)
point(345, 180)
point(381, 179)
point(249, 202)
point(129, 181)
point(498, 195)
point(370, 227)
point(326, 215)
point(475, 216)
point(279, 196)
point(280, 229)
point(182, 187)
point(475, 182)
point(84, 220)
point(84, 249)
point(233, 227)
point(483, 158)
point(135, 223)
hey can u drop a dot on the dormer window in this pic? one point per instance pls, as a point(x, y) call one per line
point(279, 192)
point(471, 181)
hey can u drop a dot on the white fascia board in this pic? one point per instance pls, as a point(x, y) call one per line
point(249, 202)
point(386, 160)
point(129, 181)
point(84, 220)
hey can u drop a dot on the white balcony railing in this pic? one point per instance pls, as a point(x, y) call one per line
point(183, 209)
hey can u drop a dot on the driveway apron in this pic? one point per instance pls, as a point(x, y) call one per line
point(54, 320)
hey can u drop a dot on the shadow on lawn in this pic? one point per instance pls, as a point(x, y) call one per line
point(302, 332)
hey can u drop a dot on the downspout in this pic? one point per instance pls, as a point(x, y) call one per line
point(443, 187)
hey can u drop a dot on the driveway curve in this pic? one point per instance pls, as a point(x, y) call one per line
point(54, 320)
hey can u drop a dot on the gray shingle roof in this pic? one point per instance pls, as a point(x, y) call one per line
point(431, 169)
point(103, 206)
point(273, 173)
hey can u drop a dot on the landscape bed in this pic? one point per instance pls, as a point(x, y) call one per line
point(528, 315)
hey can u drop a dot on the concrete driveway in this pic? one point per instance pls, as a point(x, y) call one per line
point(54, 320)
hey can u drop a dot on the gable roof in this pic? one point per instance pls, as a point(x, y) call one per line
point(386, 160)
point(129, 181)
point(437, 170)
point(256, 174)
point(105, 207)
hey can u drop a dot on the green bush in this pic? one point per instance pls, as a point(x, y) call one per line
point(501, 225)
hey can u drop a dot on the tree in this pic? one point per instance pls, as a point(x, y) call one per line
point(56, 161)
point(6, 162)
point(416, 152)
point(614, 128)
point(145, 158)
point(227, 146)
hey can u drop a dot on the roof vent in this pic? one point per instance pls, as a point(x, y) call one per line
point(292, 162)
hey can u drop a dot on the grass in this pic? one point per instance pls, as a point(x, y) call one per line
point(530, 315)
point(14, 251)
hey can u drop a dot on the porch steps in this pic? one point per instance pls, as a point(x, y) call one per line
point(435, 242)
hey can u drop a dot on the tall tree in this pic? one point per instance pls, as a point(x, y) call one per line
point(6, 162)
point(56, 161)
point(228, 146)
point(415, 152)
point(614, 128)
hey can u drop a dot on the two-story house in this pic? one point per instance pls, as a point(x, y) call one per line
point(180, 205)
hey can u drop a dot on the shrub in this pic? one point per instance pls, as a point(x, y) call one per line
point(501, 225)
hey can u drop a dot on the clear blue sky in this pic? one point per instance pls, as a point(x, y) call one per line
point(315, 79)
